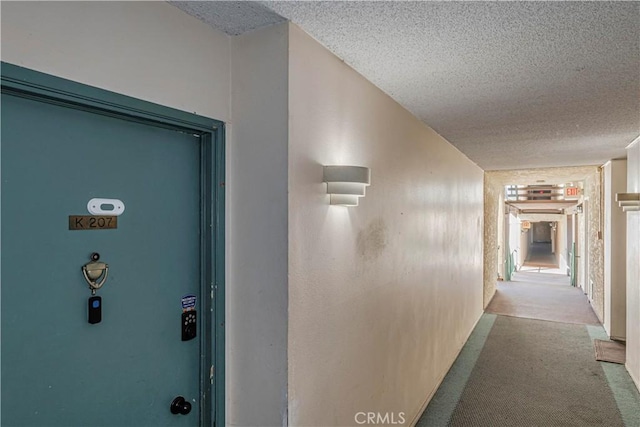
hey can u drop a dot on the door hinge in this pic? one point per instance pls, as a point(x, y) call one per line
point(211, 372)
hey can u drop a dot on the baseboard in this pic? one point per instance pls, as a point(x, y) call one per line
point(614, 338)
point(594, 310)
point(636, 381)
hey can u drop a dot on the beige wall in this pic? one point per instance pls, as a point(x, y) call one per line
point(562, 251)
point(633, 266)
point(492, 197)
point(571, 225)
point(148, 50)
point(381, 296)
point(595, 226)
point(501, 260)
point(257, 291)
point(581, 248)
point(615, 251)
point(524, 246)
point(514, 228)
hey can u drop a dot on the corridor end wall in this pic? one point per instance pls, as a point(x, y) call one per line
point(382, 296)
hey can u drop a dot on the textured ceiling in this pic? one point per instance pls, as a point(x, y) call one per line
point(232, 17)
point(513, 85)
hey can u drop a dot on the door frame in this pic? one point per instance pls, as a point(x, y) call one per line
point(26, 83)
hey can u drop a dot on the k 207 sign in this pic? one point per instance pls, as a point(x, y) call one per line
point(92, 222)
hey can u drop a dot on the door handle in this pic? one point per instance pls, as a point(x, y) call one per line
point(180, 406)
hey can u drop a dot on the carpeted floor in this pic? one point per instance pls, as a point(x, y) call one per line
point(516, 370)
point(549, 277)
point(539, 255)
point(544, 297)
point(537, 373)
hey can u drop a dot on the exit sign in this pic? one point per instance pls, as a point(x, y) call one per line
point(571, 192)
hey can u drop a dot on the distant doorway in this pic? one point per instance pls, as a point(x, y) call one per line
point(541, 251)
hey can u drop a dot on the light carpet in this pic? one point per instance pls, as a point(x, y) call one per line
point(537, 373)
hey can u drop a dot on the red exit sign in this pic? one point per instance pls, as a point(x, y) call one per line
point(571, 191)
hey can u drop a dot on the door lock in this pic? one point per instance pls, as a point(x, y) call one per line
point(95, 273)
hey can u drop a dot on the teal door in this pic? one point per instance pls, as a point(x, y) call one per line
point(125, 370)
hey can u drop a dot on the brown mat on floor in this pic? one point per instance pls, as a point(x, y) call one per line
point(544, 297)
point(610, 351)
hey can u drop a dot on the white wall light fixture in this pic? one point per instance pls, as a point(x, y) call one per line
point(629, 202)
point(346, 184)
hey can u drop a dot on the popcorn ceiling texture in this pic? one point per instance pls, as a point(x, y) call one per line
point(231, 17)
point(513, 85)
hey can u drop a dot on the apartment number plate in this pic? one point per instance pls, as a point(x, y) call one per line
point(92, 222)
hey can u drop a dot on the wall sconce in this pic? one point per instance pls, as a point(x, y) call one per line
point(346, 184)
point(629, 202)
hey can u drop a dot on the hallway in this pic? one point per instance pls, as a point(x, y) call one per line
point(321, 298)
point(530, 362)
point(540, 255)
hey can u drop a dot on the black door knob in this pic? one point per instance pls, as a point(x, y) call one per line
point(180, 406)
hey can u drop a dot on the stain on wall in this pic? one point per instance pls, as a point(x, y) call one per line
point(372, 240)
